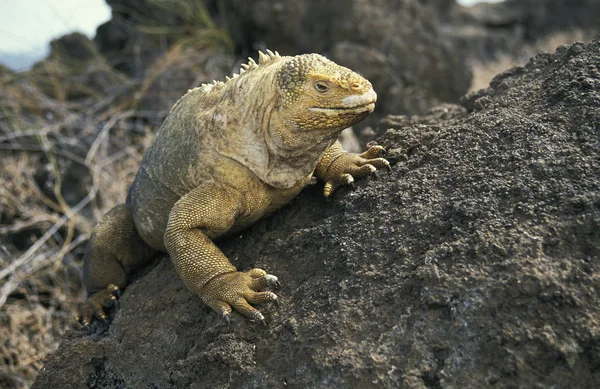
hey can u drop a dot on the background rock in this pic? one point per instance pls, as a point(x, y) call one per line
point(172, 46)
point(543, 17)
point(74, 70)
point(488, 30)
point(474, 263)
point(127, 48)
point(174, 74)
point(397, 44)
point(414, 64)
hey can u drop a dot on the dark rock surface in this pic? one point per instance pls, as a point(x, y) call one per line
point(475, 263)
point(182, 70)
point(170, 62)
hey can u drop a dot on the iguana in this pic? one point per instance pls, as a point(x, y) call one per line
point(228, 154)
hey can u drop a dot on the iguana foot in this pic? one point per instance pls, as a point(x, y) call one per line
point(237, 290)
point(95, 305)
point(348, 166)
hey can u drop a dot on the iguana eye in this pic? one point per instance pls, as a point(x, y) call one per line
point(321, 86)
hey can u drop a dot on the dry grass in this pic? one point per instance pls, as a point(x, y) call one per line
point(197, 29)
point(56, 161)
point(483, 72)
point(72, 134)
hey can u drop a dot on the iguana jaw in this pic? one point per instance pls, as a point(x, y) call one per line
point(345, 110)
point(353, 104)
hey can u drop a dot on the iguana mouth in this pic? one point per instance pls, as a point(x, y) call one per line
point(353, 104)
point(369, 107)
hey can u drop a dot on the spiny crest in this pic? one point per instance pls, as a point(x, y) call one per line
point(267, 58)
point(263, 59)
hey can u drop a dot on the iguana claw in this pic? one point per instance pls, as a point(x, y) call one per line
point(345, 167)
point(95, 305)
point(236, 290)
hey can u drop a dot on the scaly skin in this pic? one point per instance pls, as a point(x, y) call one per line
point(229, 154)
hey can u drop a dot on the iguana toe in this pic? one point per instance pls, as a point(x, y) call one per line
point(348, 166)
point(373, 152)
point(237, 290)
point(95, 305)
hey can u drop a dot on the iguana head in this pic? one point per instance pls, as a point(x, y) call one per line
point(318, 94)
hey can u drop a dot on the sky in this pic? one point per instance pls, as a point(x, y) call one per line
point(27, 26)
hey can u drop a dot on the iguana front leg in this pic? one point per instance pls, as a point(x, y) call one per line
point(338, 167)
point(199, 216)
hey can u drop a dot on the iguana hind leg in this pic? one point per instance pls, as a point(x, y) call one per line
point(114, 251)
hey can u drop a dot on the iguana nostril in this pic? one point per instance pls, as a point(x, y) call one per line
point(355, 86)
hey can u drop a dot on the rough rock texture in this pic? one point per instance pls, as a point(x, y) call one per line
point(475, 263)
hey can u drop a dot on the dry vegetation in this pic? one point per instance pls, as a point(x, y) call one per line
point(71, 139)
point(64, 164)
point(72, 133)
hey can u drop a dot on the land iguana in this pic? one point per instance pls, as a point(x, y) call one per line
point(228, 154)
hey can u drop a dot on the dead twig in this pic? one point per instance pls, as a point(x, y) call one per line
point(23, 259)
